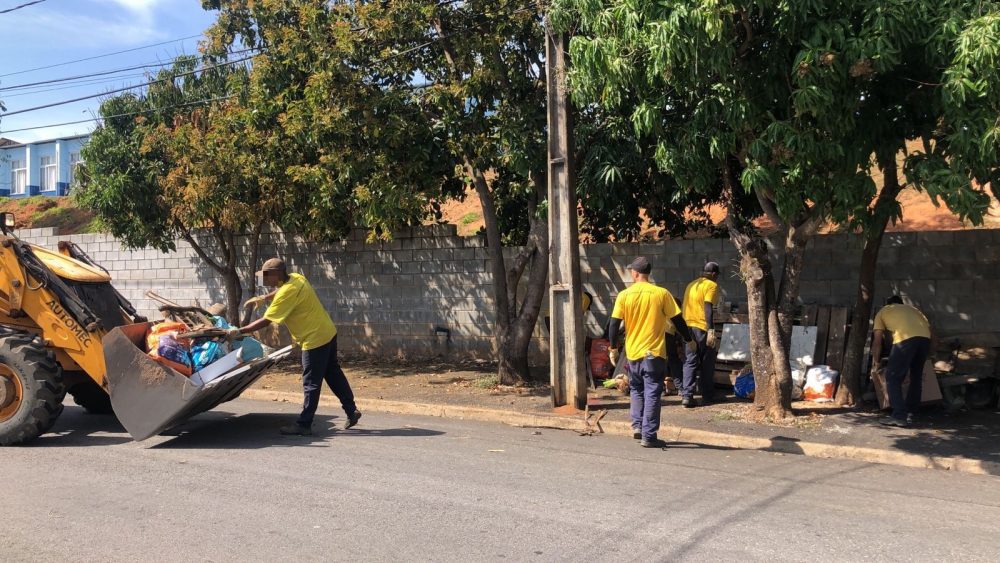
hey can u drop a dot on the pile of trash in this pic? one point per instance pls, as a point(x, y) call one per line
point(201, 353)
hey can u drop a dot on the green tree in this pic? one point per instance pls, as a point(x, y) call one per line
point(912, 99)
point(355, 151)
point(763, 98)
point(446, 93)
point(174, 163)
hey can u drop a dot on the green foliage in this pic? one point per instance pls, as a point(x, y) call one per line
point(118, 180)
point(796, 96)
point(470, 218)
point(968, 144)
point(351, 145)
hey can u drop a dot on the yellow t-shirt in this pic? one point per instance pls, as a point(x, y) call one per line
point(296, 306)
point(645, 310)
point(699, 292)
point(903, 321)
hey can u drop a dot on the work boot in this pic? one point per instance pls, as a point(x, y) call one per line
point(688, 403)
point(352, 419)
point(653, 443)
point(296, 430)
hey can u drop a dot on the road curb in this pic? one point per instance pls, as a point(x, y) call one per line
point(670, 433)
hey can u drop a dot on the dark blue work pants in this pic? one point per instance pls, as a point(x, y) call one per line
point(321, 364)
point(906, 358)
point(645, 389)
point(675, 363)
point(699, 369)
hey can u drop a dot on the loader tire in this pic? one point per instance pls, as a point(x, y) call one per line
point(33, 389)
point(91, 397)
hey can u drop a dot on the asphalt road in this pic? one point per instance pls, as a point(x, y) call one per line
point(226, 487)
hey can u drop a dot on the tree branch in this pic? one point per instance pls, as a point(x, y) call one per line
point(186, 235)
point(767, 204)
point(748, 40)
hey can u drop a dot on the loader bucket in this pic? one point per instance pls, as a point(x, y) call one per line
point(149, 397)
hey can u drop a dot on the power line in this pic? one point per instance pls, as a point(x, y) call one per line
point(393, 55)
point(25, 5)
point(80, 84)
point(119, 115)
point(107, 72)
point(101, 56)
point(125, 89)
point(82, 76)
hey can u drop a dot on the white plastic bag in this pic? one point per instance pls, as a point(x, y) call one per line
point(798, 382)
point(821, 384)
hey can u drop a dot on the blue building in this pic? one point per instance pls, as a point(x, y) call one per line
point(39, 168)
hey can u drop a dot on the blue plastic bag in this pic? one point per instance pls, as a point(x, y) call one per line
point(169, 349)
point(250, 349)
point(745, 386)
point(204, 352)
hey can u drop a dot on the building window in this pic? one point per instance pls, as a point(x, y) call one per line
point(49, 174)
point(74, 163)
point(18, 177)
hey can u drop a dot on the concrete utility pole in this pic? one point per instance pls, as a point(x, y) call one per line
point(569, 377)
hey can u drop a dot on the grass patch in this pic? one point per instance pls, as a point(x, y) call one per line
point(469, 218)
point(94, 226)
point(725, 415)
point(487, 382)
point(40, 201)
point(68, 220)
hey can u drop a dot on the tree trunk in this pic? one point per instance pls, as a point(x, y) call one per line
point(796, 240)
point(254, 258)
point(234, 294)
point(768, 351)
point(226, 269)
point(768, 354)
point(515, 332)
point(514, 324)
point(512, 368)
point(849, 388)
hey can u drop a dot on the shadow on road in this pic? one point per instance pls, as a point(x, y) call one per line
point(213, 430)
point(696, 446)
point(76, 428)
point(974, 435)
point(260, 430)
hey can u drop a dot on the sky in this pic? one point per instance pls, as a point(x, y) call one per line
point(58, 31)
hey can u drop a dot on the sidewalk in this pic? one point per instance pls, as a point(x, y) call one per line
point(968, 441)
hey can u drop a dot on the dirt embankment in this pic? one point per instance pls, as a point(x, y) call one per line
point(38, 212)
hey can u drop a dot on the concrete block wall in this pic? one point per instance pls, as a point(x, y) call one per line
point(396, 298)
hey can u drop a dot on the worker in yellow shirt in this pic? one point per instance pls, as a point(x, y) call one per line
point(295, 305)
point(644, 309)
point(700, 299)
point(911, 343)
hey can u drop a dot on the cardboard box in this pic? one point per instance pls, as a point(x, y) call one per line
point(930, 392)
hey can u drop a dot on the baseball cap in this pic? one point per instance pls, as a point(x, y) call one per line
point(640, 265)
point(273, 265)
point(711, 268)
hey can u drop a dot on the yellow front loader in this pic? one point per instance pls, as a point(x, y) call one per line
point(64, 328)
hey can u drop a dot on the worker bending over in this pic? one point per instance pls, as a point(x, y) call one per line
point(296, 306)
point(911, 344)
